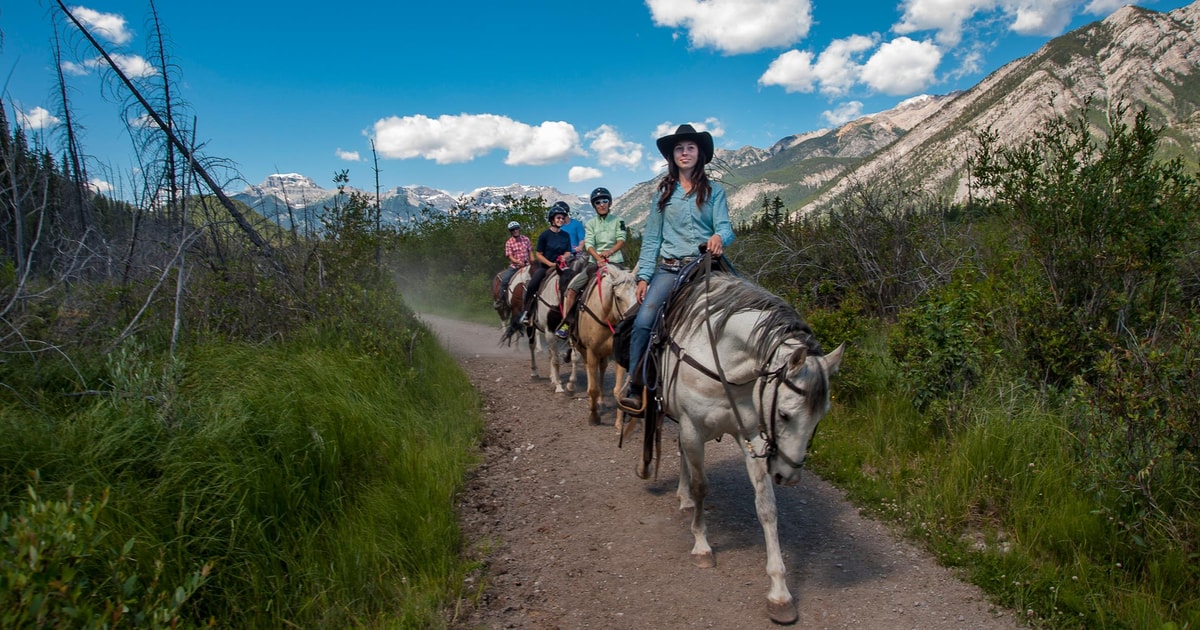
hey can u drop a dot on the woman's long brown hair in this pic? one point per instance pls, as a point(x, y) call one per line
point(700, 184)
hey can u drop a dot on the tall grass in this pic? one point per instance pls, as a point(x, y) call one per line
point(316, 475)
point(1004, 496)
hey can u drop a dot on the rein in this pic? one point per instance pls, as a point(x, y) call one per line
point(763, 375)
point(600, 273)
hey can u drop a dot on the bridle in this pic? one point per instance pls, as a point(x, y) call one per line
point(601, 272)
point(764, 376)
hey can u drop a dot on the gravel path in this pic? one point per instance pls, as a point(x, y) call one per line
point(571, 538)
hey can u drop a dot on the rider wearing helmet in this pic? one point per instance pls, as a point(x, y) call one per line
point(519, 251)
point(605, 236)
point(552, 245)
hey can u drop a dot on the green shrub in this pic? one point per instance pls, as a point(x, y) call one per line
point(941, 346)
point(58, 569)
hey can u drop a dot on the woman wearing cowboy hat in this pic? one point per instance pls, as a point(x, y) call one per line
point(691, 214)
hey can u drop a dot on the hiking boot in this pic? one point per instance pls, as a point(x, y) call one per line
point(634, 402)
point(563, 331)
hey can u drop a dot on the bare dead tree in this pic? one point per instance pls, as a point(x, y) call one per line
point(240, 219)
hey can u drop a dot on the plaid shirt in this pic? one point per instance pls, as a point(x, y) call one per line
point(518, 247)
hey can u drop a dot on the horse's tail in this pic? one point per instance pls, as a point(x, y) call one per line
point(514, 332)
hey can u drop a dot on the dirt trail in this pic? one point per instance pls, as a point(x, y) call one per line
point(573, 539)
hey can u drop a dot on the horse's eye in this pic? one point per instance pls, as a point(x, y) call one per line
point(785, 416)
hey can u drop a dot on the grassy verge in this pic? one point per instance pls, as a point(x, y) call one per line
point(305, 483)
point(1006, 498)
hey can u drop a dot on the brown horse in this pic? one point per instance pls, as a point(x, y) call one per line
point(605, 300)
point(508, 302)
point(509, 309)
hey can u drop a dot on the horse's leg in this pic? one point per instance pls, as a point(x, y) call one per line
point(555, 363)
point(780, 605)
point(533, 354)
point(693, 487)
point(573, 363)
point(618, 382)
point(593, 368)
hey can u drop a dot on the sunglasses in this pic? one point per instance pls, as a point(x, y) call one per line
point(600, 201)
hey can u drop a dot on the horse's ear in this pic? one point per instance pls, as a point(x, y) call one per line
point(798, 358)
point(834, 359)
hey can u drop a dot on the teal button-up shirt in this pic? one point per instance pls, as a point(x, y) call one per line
point(603, 233)
point(680, 229)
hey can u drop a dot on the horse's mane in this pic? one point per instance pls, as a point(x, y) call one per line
point(723, 295)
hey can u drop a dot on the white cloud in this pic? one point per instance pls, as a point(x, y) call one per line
point(612, 150)
point(793, 71)
point(451, 139)
point(949, 18)
point(134, 66)
point(837, 66)
point(843, 113)
point(711, 124)
point(736, 26)
point(36, 118)
point(1104, 7)
point(79, 70)
point(100, 186)
point(836, 69)
point(583, 173)
point(944, 16)
point(143, 122)
point(902, 66)
point(1048, 17)
point(106, 26)
point(349, 156)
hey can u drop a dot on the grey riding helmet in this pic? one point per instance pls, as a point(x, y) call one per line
point(559, 207)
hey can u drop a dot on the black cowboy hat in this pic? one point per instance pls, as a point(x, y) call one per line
point(666, 144)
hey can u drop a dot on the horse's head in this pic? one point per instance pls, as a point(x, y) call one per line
point(621, 294)
point(793, 404)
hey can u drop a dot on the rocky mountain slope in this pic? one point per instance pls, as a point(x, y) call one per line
point(1138, 57)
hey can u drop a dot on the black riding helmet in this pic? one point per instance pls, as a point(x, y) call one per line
point(600, 193)
point(559, 207)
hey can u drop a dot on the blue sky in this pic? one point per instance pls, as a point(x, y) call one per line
point(460, 95)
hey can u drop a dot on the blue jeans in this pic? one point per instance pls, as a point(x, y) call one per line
point(656, 293)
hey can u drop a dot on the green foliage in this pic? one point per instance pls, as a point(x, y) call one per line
point(316, 474)
point(59, 570)
point(941, 346)
point(1140, 432)
point(1107, 226)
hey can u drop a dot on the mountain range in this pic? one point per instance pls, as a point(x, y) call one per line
point(1137, 57)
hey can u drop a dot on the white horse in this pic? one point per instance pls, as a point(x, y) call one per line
point(604, 301)
point(740, 361)
point(543, 324)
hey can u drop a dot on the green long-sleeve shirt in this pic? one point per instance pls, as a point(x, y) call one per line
point(603, 232)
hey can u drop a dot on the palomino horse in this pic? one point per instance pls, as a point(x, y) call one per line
point(738, 360)
point(603, 303)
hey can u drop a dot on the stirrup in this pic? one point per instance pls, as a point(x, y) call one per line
point(633, 405)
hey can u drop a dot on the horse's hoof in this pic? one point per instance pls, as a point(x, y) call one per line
point(594, 419)
point(642, 471)
point(783, 613)
point(705, 560)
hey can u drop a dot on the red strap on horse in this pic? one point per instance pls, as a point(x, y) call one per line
point(600, 292)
